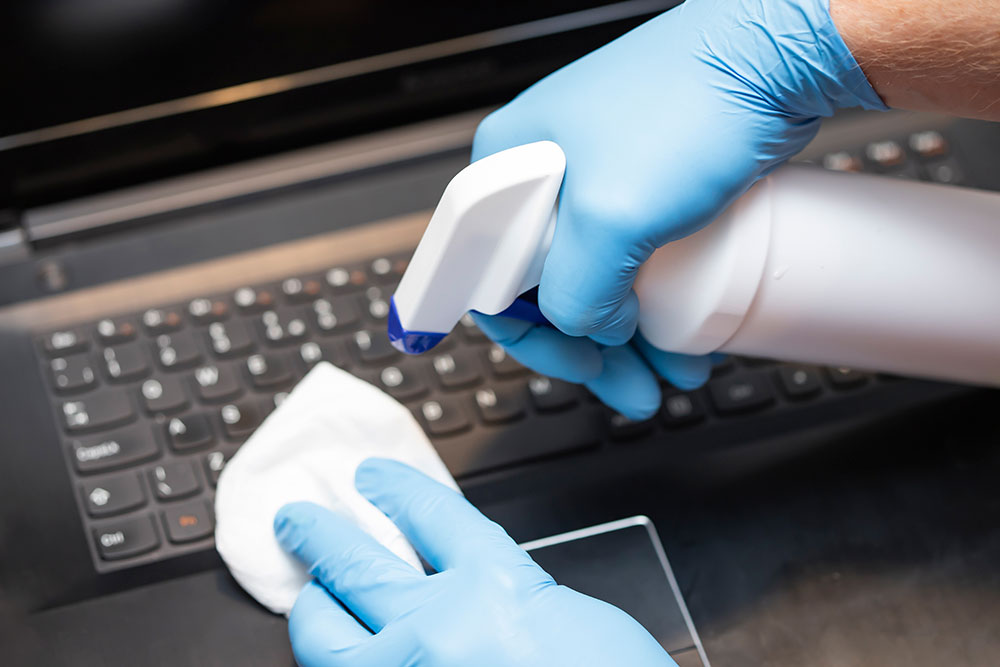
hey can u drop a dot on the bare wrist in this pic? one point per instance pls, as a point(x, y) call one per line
point(927, 55)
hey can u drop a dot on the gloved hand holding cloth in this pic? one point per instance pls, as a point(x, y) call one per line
point(488, 605)
point(662, 129)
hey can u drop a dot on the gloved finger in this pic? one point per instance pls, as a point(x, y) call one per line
point(544, 349)
point(627, 384)
point(503, 129)
point(369, 579)
point(586, 283)
point(684, 371)
point(442, 525)
point(322, 632)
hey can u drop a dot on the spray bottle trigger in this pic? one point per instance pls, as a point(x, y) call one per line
point(525, 308)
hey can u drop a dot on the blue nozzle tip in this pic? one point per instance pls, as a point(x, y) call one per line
point(410, 342)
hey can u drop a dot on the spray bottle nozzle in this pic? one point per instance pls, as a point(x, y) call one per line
point(484, 246)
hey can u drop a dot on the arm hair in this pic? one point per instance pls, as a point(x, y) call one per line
point(927, 55)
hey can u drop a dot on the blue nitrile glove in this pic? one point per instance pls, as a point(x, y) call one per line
point(662, 129)
point(489, 605)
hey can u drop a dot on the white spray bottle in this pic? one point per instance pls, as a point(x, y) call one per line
point(809, 265)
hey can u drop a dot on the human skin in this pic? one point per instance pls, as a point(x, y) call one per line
point(927, 55)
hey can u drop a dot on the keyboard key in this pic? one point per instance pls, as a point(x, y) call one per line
point(215, 384)
point(268, 370)
point(724, 366)
point(753, 362)
point(177, 350)
point(312, 353)
point(65, 341)
point(502, 403)
point(214, 463)
point(373, 347)
point(250, 300)
point(799, 381)
point(113, 495)
point(623, 428)
point(681, 409)
point(470, 331)
point(240, 419)
point(343, 280)
point(846, 378)
point(115, 450)
point(174, 480)
point(297, 290)
point(376, 303)
point(385, 269)
point(501, 363)
point(126, 538)
point(842, 161)
point(97, 411)
point(741, 393)
point(206, 311)
point(402, 383)
point(165, 394)
point(336, 316)
point(459, 369)
point(946, 171)
point(928, 144)
point(270, 404)
point(885, 154)
point(443, 417)
point(72, 374)
point(551, 395)
point(277, 331)
point(189, 432)
point(161, 320)
point(116, 330)
point(188, 522)
point(229, 339)
point(125, 362)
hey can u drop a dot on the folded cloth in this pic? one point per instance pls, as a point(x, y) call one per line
point(309, 449)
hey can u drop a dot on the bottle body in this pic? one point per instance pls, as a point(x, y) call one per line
point(841, 269)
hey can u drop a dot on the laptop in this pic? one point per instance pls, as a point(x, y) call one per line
point(199, 201)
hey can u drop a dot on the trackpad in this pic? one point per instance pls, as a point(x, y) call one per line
point(623, 563)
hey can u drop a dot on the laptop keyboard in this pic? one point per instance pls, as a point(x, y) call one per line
point(152, 404)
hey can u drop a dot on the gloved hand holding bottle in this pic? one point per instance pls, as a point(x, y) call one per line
point(488, 605)
point(662, 129)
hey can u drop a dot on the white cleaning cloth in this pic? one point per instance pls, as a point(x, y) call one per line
point(309, 449)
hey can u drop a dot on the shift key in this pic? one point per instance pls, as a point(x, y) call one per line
point(114, 450)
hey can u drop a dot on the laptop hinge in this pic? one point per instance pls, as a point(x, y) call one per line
point(95, 214)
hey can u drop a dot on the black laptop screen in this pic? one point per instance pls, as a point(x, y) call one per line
point(65, 60)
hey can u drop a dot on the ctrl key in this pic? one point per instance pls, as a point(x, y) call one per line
point(126, 538)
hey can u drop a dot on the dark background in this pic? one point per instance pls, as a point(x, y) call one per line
point(67, 60)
